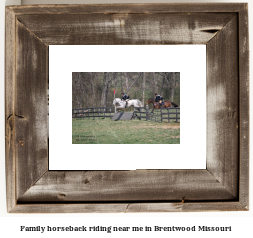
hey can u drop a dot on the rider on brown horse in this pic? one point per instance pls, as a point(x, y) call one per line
point(159, 99)
point(156, 105)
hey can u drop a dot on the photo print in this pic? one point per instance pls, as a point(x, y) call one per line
point(125, 108)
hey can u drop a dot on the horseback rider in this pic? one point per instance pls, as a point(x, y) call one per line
point(159, 99)
point(125, 98)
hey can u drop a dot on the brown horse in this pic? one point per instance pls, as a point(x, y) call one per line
point(156, 105)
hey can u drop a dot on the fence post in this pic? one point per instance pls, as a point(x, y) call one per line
point(176, 116)
point(168, 114)
point(147, 112)
point(161, 114)
point(93, 113)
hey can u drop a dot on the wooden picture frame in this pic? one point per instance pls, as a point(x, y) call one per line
point(222, 186)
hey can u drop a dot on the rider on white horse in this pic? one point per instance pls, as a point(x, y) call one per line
point(119, 103)
point(125, 98)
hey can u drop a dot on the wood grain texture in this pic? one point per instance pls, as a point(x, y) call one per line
point(9, 109)
point(30, 109)
point(140, 185)
point(186, 207)
point(129, 8)
point(133, 29)
point(129, 207)
point(244, 106)
point(223, 186)
point(222, 107)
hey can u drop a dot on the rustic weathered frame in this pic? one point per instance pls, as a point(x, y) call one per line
point(222, 186)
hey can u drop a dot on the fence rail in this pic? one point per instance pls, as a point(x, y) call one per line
point(142, 113)
point(159, 115)
point(93, 112)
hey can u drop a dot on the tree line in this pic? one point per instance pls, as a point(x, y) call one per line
point(96, 89)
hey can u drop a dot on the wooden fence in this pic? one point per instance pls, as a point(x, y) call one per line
point(159, 115)
point(93, 112)
point(170, 114)
point(142, 113)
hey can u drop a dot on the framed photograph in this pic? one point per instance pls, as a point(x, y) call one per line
point(95, 125)
point(35, 94)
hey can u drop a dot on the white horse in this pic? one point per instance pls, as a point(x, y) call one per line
point(122, 104)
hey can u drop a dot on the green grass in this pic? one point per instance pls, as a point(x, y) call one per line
point(106, 131)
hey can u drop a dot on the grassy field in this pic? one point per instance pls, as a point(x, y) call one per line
point(106, 131)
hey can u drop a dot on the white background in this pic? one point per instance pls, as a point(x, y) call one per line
point(190, 61)
point(241, 221)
